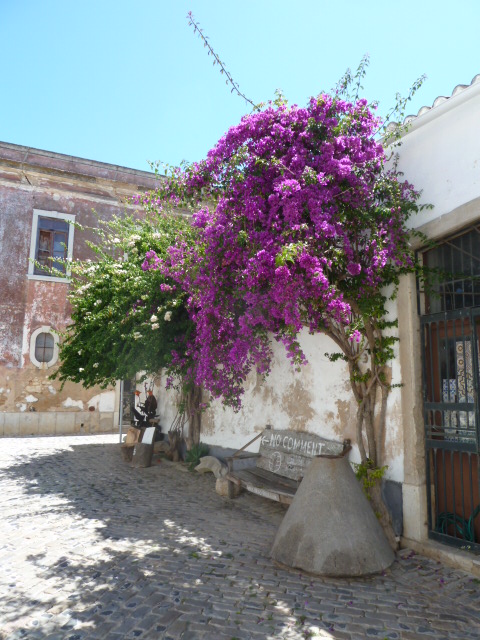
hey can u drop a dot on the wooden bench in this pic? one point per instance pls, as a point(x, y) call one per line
point(281, 462)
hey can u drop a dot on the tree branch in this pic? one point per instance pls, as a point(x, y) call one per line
point(223, 69)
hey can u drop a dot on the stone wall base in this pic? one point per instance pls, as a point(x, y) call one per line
point(49, 423)
point(449, 556)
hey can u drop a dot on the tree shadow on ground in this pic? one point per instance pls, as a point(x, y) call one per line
point(92, 481)
point(131, 597)
point(156, 553)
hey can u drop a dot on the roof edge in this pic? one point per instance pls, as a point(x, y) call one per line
point(72, 164)
point(441, 104)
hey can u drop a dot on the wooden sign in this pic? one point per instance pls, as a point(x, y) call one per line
point(149, 435)
point(288, 453)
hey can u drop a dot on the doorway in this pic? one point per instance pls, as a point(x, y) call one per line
point(450, 331)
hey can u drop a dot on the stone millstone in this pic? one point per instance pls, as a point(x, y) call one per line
point(330, 528)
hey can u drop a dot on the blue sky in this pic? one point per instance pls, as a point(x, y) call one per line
point(126, 81)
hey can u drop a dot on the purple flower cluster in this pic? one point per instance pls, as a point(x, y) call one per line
point(303, 221)
point(152, 261)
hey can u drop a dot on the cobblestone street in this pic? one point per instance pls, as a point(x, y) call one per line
point(91, 548)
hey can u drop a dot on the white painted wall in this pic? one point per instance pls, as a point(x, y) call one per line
point(441, 154)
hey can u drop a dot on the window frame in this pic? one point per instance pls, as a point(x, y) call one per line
point(33, 340)
point(55, 215)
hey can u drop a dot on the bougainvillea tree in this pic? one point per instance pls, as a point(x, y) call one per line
point(300, 226)
point(125, 320)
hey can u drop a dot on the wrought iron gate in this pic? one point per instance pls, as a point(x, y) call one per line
point(450, 342)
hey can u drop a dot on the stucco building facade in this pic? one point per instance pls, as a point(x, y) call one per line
point(41, 194)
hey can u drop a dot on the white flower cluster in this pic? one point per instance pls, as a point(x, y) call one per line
point(132, 240)
point(137, 335)
point(168, 316)
point(84, 287)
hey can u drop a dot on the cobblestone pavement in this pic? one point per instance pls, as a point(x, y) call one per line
point(91, 548)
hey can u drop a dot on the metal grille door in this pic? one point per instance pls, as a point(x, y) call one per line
point(450, 378)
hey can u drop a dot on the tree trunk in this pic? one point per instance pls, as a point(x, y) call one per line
point(173, 453)
point(382, 513)
point(194, 413)
point(381, 426)
point(361, 446)
point(370, 430)
point(365, 389)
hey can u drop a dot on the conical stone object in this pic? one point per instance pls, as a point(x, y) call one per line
point(330, 528)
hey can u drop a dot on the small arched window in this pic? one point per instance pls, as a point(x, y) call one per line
point(43, 347)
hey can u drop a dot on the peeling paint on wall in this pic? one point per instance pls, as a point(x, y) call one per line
point(296, 402)
point(69, 403)
point(104, 401)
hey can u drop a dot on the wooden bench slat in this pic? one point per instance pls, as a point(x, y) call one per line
point(265, 486)
point(299, 443)
point(263, 474)
point(243, 456)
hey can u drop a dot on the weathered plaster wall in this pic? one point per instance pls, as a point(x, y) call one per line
point(31, 404)
point(318, 399)
point(15, 231)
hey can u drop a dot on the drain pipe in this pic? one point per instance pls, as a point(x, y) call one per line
point(120, 413)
